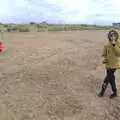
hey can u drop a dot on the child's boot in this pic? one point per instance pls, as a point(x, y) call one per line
point(101, 94)
point(113, 95)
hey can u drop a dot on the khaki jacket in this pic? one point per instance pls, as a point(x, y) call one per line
point(112, 56)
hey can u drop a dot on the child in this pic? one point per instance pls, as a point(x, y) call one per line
point(1, 47)
point(111, 60)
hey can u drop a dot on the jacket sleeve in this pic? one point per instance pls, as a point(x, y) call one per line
point(116, 49)
point(104, 55)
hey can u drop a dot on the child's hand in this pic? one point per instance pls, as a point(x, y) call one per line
point(116, 49)
point(105, 61)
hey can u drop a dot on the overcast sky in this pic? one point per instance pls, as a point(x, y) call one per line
point(60, 11)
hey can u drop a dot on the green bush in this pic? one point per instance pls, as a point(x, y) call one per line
point(11, 29)
point(41, 27)
point(41, 30)
point(55, 28)
point(24, 29)
point(6, 26)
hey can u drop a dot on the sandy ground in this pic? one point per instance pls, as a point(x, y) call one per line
point(55, 76)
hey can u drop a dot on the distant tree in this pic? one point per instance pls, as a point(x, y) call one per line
point(40, 26)
point(5, 25)
point(44, 23)
point(32, 23)
point(84, 25)
point(94, 25)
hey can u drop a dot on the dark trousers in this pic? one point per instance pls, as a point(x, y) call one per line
point(110, 78)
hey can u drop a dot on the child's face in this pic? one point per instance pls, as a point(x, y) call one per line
point(113, 39)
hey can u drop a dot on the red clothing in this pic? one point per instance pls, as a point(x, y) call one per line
point(2, 47)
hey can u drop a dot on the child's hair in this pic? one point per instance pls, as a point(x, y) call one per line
point(111, 33)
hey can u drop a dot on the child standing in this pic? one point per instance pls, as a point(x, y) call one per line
point(111, 54)
point(1, 47)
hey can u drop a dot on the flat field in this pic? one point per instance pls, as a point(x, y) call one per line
point(55, 76)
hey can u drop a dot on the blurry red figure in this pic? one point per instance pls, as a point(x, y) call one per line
point(2, 47)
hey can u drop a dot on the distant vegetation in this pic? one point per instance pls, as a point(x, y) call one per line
point(44, 26)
